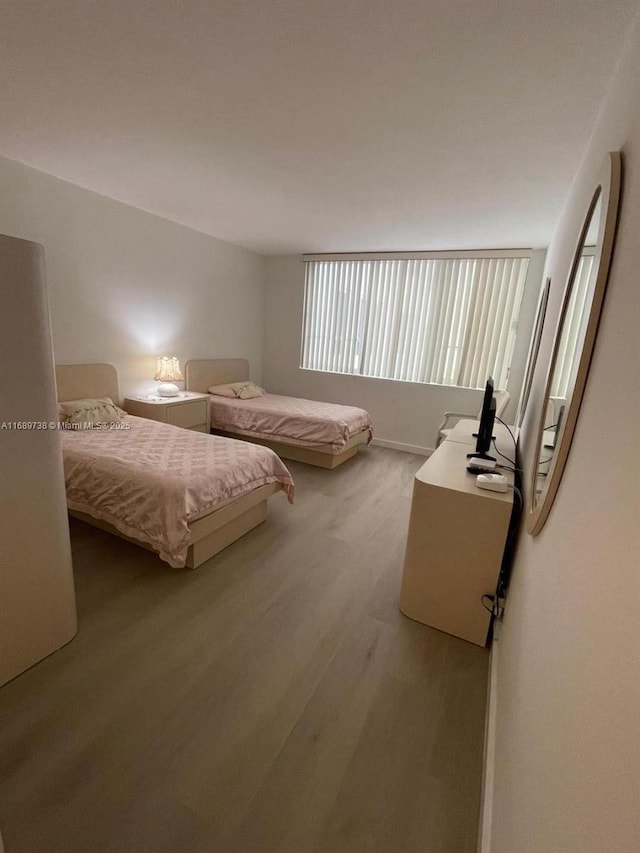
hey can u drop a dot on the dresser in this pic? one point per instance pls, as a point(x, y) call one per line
point(189, 409)
point(456, 539)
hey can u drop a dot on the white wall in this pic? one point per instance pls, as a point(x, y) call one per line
point(125, 286)
point(37, 599)
point(405, 414)
point(567, 760)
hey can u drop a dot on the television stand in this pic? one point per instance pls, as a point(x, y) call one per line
point(455, 542)
point(481, 456)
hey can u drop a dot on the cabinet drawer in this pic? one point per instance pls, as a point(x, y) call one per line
point(188, 414)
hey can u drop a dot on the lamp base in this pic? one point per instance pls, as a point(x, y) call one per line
point(168, 389)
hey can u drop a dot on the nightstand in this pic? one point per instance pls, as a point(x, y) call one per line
point(189, 409)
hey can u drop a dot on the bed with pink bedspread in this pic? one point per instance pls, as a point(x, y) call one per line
point(322, 434)
point(305, 423)
point(151, 481)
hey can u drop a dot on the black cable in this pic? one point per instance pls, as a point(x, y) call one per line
point(492, 599)
point(517, 492)
point(516, 527)
point(502, 468)
point(510, 461)
point(495, 609)
point(508, 428)
point(501, 587)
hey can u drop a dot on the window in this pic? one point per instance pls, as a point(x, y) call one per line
point(443, 320)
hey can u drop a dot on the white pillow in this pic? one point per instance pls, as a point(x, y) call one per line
point(222, 390)
point(99, 410)
point(243, 390)
point(249, 390)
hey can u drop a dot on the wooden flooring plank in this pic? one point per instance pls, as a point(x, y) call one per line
point(273, 701)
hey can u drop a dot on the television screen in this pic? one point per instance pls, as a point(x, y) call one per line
point(484, 436)
point(488, 394)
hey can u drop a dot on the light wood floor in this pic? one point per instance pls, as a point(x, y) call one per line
point(275, 700)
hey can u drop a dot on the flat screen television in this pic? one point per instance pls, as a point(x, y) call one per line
point(485, 436)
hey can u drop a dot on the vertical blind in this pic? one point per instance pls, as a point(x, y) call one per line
point(574, 329)
point(448, 321)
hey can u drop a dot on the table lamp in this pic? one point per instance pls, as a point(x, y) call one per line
point(168, 372)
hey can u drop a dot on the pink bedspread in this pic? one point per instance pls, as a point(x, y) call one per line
point(290, 419)
point(151, 480)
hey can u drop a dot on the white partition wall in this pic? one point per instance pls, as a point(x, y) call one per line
point(37, 599)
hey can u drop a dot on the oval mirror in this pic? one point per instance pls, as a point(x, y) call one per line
point(575, 338)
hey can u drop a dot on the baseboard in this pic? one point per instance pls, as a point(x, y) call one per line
point(407, 448)
point(486, 807)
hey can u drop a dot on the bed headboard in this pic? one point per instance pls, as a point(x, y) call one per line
point(78, 381)
point(202, 373)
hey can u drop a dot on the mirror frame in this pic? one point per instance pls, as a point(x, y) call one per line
point(608, 192)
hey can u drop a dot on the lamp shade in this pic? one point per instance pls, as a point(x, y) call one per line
point(168, 369)
point(168, 372)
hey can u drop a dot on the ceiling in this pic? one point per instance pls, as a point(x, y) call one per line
point(315, 125)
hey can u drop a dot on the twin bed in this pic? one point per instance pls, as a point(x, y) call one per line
point(183, 494)
point(322, 434)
